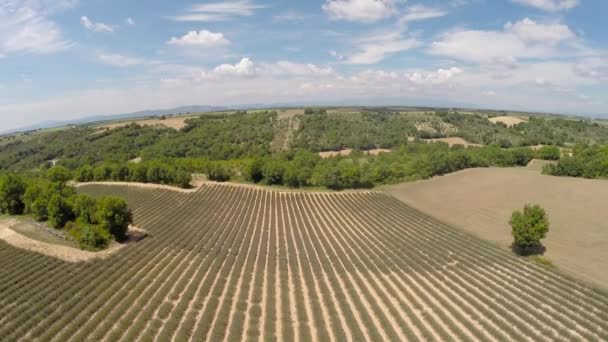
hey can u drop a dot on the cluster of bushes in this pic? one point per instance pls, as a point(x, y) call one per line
point(92, 222)
point(145, 172)
point(585, 161)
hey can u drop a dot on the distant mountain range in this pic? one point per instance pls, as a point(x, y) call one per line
point(203, 109)
point(100, 118)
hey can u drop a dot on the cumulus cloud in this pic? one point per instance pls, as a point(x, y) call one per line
point(201, 38)
point(366, 11)
point(93, 26)
point(130, 21)
point(421, 12)
point(522, 39)
point(436, 77)
point(25, 27)
point(376, 47)
point(243, 68)
point(549, 5)
point(531, 32)
point(219, 11)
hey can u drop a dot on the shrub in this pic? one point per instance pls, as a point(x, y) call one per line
point(12, 190)
point(114, 216)
point(549, 153)
point(59, 174)
point(528, 228)
point(59, 212)
point(89, 236)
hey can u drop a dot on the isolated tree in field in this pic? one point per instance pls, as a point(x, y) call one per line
point(528, 228)
point(12, 189)
point(114, 216)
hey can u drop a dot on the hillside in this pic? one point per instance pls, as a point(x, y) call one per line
point(265, 133)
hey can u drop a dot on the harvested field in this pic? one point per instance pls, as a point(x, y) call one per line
point(510, 121)
point(453, 141)
point(231, 263)
point(481, 201)
point(170, 122)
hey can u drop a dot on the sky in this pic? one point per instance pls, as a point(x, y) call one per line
point(66, 59)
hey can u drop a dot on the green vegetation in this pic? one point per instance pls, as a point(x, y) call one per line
point(92, 223)
point(586, 161)
point(237, 146)
point(529, 227)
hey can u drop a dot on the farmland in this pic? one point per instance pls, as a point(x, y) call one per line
point(241, 263)
point(482, 200)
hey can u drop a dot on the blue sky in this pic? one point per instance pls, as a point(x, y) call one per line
point(64, 59)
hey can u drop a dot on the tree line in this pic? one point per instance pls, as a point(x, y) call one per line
point(93, 223)
point(588, 161)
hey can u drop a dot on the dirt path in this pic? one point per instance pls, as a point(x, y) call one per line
point(64, 253)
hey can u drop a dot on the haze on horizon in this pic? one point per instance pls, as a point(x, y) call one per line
point(66, 59)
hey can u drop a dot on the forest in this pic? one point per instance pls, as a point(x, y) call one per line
point(242, 146)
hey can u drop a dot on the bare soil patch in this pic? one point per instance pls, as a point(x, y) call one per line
point(144, 185)
point(481, 201)
point(65, 253)
point(453, 141)
point(510, 121)
point(348, 151)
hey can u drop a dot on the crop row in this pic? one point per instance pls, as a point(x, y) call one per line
point(238, 263)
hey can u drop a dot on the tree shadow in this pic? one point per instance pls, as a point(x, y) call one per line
point(529, 251)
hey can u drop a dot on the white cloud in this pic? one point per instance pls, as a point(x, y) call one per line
point(523, 39)
point(289, 16)
point(421, 12)
point(201, 38)
point(219, 11)
point(376, 47)
point(243, 68)
point(130, 21)
point(26, 28)
point(489, 93)
point(436, 77)
point(290, 68)
point(97, 27)
point(531, 32)
point(122, 61)
point(366, 11)
point(550, 5)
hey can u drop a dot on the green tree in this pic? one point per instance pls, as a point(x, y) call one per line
point(84, 208)
point(183, 179)
point(253, 170)
point(85, 174)
point(12, 190)
point(59, 211)
point(89, 236)
point(59, 174)
point(528, 228)
point(114, 216)
point(273, 172)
